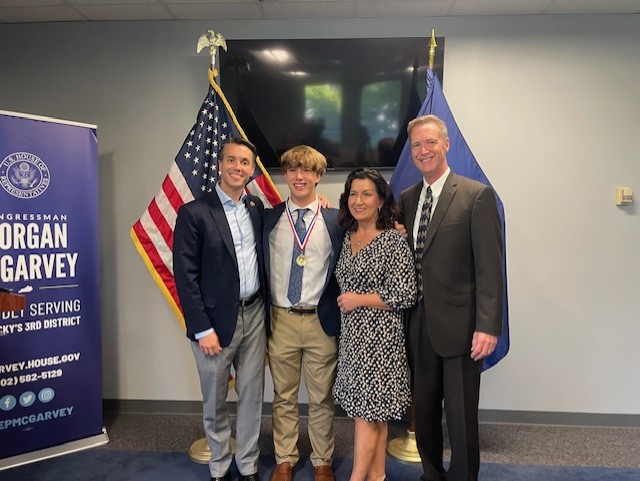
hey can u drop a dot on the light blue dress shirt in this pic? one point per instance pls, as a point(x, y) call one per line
point(244, 243)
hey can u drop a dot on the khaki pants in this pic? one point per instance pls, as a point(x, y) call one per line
point(298, 344)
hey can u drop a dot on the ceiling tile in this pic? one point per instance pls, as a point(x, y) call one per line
point(216, 11)
point(30, 3)
point(169, 2)
point(263, 2)
point(40, 14)
point(404, 8)
point(109, 3)
point(125, 12)
point(498, 7)
point(593, 6)
point(326, 9)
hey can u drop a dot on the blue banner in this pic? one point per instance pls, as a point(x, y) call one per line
point(50, 353)
point(462, 162)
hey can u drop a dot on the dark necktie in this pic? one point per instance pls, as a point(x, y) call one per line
point(295, 277)
point(425, 217)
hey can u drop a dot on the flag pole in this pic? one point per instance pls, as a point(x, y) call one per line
point(432, 50)
point(199, 451)
point(406, 449)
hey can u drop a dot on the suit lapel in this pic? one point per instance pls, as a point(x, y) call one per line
point(413, 196)
point(271, 217)
point(446, 196)
point(220, 219)
point(254, 213)
point(330, 217)
point(331, 221)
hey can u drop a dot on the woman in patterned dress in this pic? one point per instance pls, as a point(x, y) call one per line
point(377, 279)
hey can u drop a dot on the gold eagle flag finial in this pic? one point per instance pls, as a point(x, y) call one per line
point(213, 41)
point(432, 49)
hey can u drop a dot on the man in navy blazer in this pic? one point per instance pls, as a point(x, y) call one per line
point(219, 273)
point(457, 242)
point(302, 243)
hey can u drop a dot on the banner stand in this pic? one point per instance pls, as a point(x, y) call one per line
point(50, 347)
point(55, 451)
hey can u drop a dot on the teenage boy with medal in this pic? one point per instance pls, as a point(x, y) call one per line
point(302, 241)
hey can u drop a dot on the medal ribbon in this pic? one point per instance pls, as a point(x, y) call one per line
point(302, 243)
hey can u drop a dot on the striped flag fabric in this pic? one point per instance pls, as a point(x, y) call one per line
point(193, 172)
point(462, 162)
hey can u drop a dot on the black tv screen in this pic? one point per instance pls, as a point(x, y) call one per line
point(349, 98)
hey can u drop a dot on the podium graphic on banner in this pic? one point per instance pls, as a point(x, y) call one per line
point(11, 302)
point(50, 349)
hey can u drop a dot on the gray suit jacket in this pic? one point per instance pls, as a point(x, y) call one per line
point(461, 265)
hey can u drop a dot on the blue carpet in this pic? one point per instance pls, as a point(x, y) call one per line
point(109, 465)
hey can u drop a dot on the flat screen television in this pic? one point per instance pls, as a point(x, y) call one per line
point(349, 98)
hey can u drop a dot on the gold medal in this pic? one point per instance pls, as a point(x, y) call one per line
point(301, 260)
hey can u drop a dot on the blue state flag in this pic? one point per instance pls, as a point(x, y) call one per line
point(462, 162)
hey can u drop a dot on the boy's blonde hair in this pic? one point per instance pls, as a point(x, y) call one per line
point(305, 157)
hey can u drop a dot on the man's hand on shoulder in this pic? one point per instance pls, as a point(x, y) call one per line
point(210, 345)
point(324, 202)
point(402, 230)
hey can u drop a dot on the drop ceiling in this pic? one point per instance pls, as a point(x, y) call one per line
point(23, 11)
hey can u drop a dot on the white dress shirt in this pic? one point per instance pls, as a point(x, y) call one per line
point(436, 190)
point(317, 252)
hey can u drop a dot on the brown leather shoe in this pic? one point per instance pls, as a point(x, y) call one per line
point(323, 473)
point(282, 472)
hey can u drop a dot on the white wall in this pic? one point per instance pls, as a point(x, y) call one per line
point(549, 105)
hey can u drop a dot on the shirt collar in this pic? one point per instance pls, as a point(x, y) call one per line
point(437, 186)
point(225, 199)
point(293, 207)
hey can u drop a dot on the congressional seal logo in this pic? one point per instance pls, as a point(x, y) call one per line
point(24, 175)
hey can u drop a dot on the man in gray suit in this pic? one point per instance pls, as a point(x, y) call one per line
point(219, 272)
point(454, 230)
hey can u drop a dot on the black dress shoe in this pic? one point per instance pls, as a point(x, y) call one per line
point(250, 477)
point(226, 477)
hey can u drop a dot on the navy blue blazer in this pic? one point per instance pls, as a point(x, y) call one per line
point(205, 265)
point(328, 311)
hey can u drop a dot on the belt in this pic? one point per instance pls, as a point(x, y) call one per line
point(301, 310)
point(247, 301)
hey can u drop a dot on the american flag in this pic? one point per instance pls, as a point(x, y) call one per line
point(193, 173)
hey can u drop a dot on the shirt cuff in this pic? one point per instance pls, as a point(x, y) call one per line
point(200, 335)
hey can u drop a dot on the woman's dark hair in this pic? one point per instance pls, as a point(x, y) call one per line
point(389, 210)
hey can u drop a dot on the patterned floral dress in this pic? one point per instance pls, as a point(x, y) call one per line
point(373, 374)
